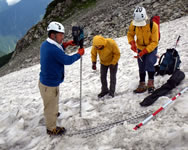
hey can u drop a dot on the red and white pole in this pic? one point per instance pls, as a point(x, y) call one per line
point(160, 109)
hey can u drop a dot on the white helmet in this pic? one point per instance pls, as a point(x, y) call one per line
point(140, 16)
point(56, 26)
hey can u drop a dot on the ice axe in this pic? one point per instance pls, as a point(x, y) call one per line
point(138, 56)
point(177, 41)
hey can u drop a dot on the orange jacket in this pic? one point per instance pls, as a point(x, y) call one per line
point(110, 54)
point(145, 38)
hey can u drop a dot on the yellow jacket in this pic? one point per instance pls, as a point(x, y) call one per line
point(110, 54)
point(145, 38)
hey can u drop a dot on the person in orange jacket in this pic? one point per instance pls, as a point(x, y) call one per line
point(109, 55)
point(145, 47)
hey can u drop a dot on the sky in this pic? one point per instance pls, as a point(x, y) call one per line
point(12, 2)
point(22, 125)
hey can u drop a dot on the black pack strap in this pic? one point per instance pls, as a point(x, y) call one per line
point(160, 59)
point(151, 24)
point(134, 28)
point(175, 64)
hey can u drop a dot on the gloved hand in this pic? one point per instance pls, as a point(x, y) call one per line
point(65, 44)
point(143, 52)
point(81, 51)
point(133, 46)
point(94, 66)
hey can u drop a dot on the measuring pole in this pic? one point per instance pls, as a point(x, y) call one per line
point(160, 109)
point(81, 46)
point(81, 86)
point(78, 38)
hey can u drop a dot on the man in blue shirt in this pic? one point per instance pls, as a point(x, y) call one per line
point(52, 60)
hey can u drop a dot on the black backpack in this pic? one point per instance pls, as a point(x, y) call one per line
point(78, 35)
point(169, 62)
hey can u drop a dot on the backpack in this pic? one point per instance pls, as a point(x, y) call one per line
point(169, 62)
point(155, 19)
point(78, 35)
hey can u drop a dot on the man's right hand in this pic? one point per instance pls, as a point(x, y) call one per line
point(133, 46)
point(94, 66)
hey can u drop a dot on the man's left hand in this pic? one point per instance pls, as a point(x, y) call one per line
point(71, 43)
point(65, 44)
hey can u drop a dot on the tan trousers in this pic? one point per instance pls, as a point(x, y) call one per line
point(50, 96)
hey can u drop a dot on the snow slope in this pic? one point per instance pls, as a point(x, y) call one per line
point(21, 109)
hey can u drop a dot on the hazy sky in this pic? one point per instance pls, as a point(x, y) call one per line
point(12, 2)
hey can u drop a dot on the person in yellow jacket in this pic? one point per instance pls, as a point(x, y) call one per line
point(109, 54)
point(145, 47)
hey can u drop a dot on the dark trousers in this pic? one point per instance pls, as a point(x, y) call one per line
point(104, 71)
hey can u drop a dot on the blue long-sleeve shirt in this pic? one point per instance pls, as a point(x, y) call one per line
point(52, 60)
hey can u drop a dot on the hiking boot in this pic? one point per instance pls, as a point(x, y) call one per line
point(141, 88)
point(102, 94)
point(151, 87)
point(57, 131)
point(151, 90)
point(58, 114)
point(111, 94)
